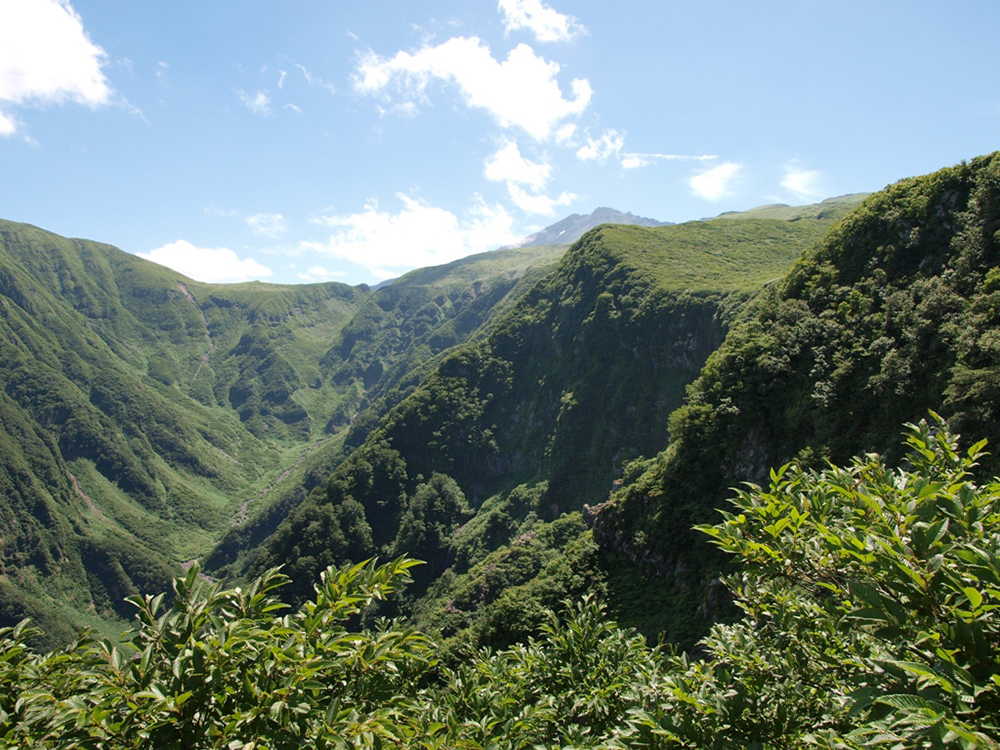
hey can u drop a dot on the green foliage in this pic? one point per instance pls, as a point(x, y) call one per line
point(869, 600)
point(220, 669)
point(572, 686)
point(143, 410)
point(574, 381)
point(431, 518)
point(405, 328)
point(892, 314)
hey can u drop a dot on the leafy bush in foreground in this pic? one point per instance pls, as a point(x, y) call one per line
point(221, 669)
point(870, 600)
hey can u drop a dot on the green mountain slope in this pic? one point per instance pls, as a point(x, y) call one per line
point(143, 413)
point(137, 407)
point(405, 326)
point(572, 384)
point(894, 313)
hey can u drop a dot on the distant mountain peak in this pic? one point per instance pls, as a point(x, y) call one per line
point(574, 226)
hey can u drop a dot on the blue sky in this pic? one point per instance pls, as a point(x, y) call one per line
point(351, 141)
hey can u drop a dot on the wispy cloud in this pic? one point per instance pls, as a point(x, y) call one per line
point(546, 24)
point(269, 225)
point(320, 273)
point(635, 161)
point(536, 202)
point(521, 91)
point(208, 264)
point(715, 183)
point(609, 145)
point(804, 183)
point(46, 57)
point(388, 244)
point(259, 103)
point(314, 80)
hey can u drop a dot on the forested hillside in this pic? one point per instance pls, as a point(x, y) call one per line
point(144, 413)
point(485, 470)
point(896, 312)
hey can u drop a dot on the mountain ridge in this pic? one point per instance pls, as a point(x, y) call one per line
point(571, 228)
point(141, 409)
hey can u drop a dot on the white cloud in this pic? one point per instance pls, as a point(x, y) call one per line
point(611, 145)
point(269, 225)
point(223, 213)
point(8, 126)
point(315, 274)
point(208, 264)
point(507, 165)
point(600, 150)
point(564, 133)
point(522, 91)
point(259, 103)
point(314, 80)
point(714, 183)
point(545, 23)
point(537, 203)
point(419, 235)
point(47, 58)
point(634, 161)
point(805, 183)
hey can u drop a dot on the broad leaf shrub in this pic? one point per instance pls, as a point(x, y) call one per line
point(222, 669)
point(870, 599)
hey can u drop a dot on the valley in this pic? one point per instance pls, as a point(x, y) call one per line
point(550, 429)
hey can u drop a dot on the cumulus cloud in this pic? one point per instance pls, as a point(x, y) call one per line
point(508, 165)
point(258, 103)
point(525, 180)
point(47, 58)
point(546, 24)
point(538, 203)
point(208, 264)
point(521, 91)
point(269, 225)
point(804, 183)
point(714, 183)
point(419, 235)
point(8, 126)
point(601, 149)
